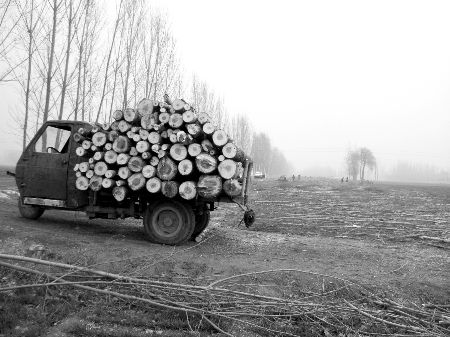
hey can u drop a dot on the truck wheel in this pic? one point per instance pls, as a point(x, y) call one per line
point(169, 222)
point(201, 221)
point(29, 211)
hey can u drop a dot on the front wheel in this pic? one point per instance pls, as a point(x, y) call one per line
point(169, 222)
point(29, 211)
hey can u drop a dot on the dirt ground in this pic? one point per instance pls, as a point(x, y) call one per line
point(379, 235)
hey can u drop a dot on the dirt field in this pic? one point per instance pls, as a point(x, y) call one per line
point(382, 236)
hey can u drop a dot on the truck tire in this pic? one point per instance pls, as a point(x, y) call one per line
point(29, 211)
point(201, 221)
point(169, 222)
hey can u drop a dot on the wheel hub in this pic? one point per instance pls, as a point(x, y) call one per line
point(168, 223)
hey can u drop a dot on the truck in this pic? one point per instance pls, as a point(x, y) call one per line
point(45, 180)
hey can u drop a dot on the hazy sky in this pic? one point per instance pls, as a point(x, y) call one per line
point(322, 76)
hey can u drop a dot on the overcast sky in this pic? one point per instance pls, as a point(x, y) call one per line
point(323, 76)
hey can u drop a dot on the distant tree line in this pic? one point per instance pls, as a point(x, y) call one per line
point(71, 60)
point(359, 162)
point(417, 173)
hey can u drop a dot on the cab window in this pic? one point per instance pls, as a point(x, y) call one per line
point(54, 139)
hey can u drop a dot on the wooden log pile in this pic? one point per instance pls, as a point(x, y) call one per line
point(161, 147)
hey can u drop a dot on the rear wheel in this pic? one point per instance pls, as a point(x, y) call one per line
point(29, 211)
point(169, 222)
point(201, 221)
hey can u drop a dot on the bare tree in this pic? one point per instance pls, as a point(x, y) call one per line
point(352, 161)
point(367, 160)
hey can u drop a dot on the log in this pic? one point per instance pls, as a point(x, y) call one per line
point(118, 115)
point(95, 183)
point(135, 164)
point(130, 134)
point(110, 174)
point(165, 147)
point(148, 121)
point(121, 144)
point(194, 149)
point(133, 152)
point(203, 118)
point(155, 148)
point(154, 161)
point(108, 146)
point(106, 126)
point(166, 169)
point(124, 126)
point(146, 155)
point(221, 157)
point(153, 185)
point(94, 148)
point(82, 183)
point(173, 138)
point(185, 167)
point(89, 173)
point(144, 134)
point(207, 145)
point(135, 129)
point(164, 134)
point(120, 193)
point(169, 188)
point(99, 155)
point(83, 167)
point(205, 163)
point(148, 171)
point(195, 130)
point(184, 138)
point(100, 168)
point(107, 183)
point(80, 151)
point(123, 158)
point(162, 154)
point(189, 116)
point(164, 117)
point(91, 161)
point(121, 182)
point(219, 138)
point(86, 144)
point(145, 106)
point(113, 135)
point(131, 115)
point(178, 105)
point(232, 187)
point(178, 152)
point(208, 128)
point(76, 167)
point(231, 151)
point(115, 126)
point(85, 131)
point(187, 190)
point(227, 169)
point(176, 120)
point(154, 137)
point(136, 137)
point(110, 157)
point(124, 172)
point(78, 138)
point(136, 182)
point(209, 186)
point(143, 146)
point(99, 138)
point(78, 174)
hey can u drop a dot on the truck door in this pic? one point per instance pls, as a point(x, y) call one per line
point(45, 164)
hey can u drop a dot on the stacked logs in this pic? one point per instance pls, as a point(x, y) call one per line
point(161, 147)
